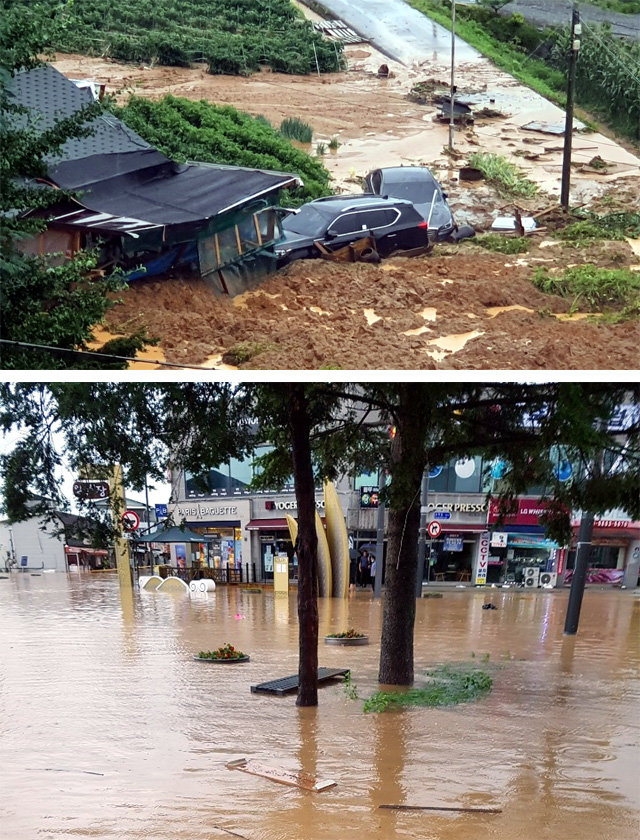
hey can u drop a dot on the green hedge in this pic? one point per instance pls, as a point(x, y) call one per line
point(187, 130)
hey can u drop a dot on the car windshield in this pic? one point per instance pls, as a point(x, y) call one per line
point(308, 221)
point(418, 192)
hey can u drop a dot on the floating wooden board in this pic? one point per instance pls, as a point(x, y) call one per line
point(441, 808)
point(286, 684)
point(283, 777)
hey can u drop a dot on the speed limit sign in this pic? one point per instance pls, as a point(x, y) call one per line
point(434, 529)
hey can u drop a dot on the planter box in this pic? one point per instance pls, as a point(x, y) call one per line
point(347, 642)
point(222, 661)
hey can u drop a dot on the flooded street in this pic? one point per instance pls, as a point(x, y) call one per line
point(110, 729)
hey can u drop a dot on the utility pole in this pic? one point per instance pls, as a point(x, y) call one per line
point(453, 87)
point(377, 581)
point(583, 554)
point(576, 30)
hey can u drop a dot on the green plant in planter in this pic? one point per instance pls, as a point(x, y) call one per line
point(225, 652)
point(346, 634)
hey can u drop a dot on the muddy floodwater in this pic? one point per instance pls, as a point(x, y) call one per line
point(110, 729)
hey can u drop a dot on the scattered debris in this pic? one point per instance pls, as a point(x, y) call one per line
point(383, 71)
point(470, 173)
point(544, 128)
point(489, 113)
point(227, 831)
point(489, 607)
point(283, 777)
point(338, 30)
point(528, 223)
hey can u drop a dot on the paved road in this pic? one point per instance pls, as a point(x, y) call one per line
point(400, 31)
point(558, 13)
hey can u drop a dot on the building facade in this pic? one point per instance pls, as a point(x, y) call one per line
point(466, 539)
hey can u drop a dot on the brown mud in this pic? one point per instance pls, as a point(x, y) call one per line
point(315, 314)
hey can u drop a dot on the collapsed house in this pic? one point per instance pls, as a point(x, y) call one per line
point(142, 211)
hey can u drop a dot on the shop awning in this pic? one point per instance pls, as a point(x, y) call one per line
point(267, 525)
point(171, 535)
point(453, 527)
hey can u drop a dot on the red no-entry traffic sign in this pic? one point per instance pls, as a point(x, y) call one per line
point(434, 529)
point(130, 520)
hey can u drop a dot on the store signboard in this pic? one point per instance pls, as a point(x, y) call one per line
point(528, 512)
point(482, 559)
point(453, 542)
point(369, 497)
point(499, 539)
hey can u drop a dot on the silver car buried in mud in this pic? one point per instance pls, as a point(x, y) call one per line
point(417, 185)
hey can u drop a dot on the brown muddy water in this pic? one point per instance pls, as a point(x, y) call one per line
point(109, 728)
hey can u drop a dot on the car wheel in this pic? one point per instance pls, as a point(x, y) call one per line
point(463, 232)
point(370, 255)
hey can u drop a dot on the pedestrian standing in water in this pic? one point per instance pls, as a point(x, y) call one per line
point(372, 572)
point(363, 568)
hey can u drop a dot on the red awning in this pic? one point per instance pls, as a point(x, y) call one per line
point(267, 525)
point(450, 526)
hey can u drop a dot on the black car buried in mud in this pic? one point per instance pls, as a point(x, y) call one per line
point(338, 220)
point(417, 185)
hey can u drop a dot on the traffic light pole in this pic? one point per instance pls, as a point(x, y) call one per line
point(576, 29)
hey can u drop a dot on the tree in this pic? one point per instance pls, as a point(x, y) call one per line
point(320, 431)
point(41, 302)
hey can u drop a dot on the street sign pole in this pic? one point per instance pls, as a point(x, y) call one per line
point(120, 545)
point(422, 536)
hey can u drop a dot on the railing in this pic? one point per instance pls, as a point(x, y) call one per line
point(245, 574)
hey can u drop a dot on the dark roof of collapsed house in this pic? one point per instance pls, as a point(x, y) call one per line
point(120, 177)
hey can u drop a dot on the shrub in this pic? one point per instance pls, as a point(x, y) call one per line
point(295, 129)
point(505, 176)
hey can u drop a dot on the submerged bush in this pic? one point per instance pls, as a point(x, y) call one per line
point(447, 686)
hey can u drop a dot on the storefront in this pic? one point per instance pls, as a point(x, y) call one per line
point(615, 551)
point(519, 552)
point(461, 519)
point(221, 523)
point(269, 535)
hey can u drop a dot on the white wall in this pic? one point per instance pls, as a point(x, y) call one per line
point(42, 548)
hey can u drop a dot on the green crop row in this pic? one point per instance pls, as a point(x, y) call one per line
point(232, 36)
point(186, 130)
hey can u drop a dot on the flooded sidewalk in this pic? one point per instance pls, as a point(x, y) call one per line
point(110, 729)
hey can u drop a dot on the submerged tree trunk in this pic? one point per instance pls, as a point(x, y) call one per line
point(407, 464)
point(307, 546)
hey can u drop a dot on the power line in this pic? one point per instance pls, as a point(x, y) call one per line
point(96, 355)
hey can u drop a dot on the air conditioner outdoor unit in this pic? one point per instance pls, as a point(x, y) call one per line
point(531, 576)
point(548, 580)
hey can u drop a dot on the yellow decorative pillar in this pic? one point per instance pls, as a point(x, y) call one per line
point(281, 574)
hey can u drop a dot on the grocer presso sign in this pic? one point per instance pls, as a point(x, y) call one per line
point(457, 507)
